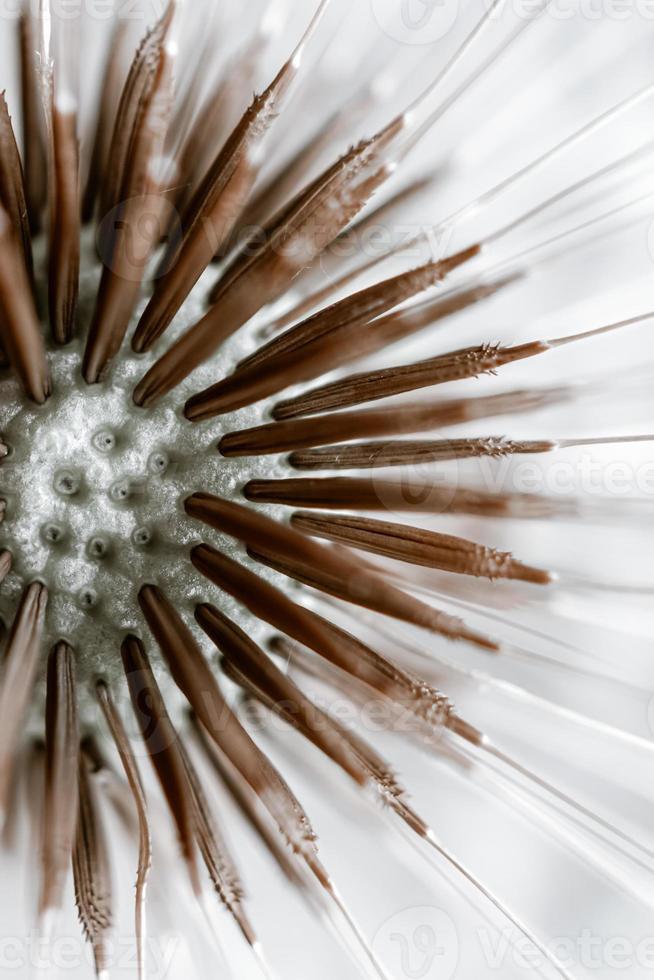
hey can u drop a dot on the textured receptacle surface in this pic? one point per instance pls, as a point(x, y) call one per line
point(95, 488)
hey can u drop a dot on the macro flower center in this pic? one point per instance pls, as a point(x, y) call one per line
point(94, 489)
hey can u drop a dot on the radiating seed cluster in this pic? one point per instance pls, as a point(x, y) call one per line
point(169, 561)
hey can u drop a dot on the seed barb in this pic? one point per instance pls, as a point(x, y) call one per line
point(469, 362)
point(134, 98)
point(217, 859)
point(177, 149)
point(280, 692)
point(133, 776)
point(248, 805)
point(249, 667)
point(391, 793)
point(415, 612)
point(195, 678)
point(215, 120)
point(283, 185)
point(394, 326)
point(339, 648)
point(92, 870)
point(419, 547)
point(353, 178)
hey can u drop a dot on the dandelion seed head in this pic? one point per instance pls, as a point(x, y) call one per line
point(231, 496)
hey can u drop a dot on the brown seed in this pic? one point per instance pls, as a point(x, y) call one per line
point(21, 659)
point(354, 493)
point(12, 190)
point(419, 547)
point(302, 433)
point(64, 243)
point(61, 766)
point(470, 362)
point(133, 202)
point(365, 455)
point(20, 331)
point(162, 744)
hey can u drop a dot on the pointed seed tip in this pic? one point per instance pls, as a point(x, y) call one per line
point(189, 410)
point(139, 395)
